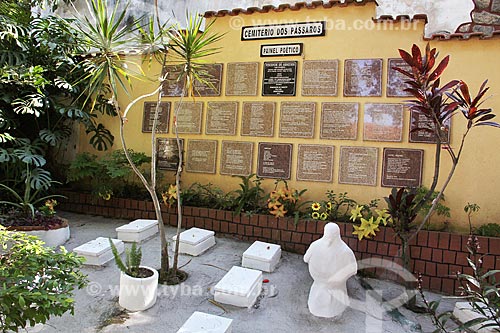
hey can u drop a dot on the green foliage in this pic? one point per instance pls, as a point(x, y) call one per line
point(480, 288)
point(470, 209)
point(249, 197)
point(207, 195)
point(488, 230)
point(108, 175)
point(25, 201)
point(37, 281)
point(108, 32)
point(39, 95)
point(441, 209)
point(133, 258)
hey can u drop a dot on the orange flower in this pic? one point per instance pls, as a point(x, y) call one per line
point(279, 211)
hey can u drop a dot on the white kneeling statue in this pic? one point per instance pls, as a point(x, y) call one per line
point(331, 263)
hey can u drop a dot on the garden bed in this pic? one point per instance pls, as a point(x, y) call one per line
point(437, 255)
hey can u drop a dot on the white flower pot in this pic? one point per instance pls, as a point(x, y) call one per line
point(53, 237)
point(138, 294)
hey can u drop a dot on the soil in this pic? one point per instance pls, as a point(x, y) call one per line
point(173, 278)
point(144, 273)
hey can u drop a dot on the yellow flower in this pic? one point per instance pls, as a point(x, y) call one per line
point(358, 231)
point(273, 204)
point(289, 195)
point(324, 216)
point(279, 211)
point(329, 206)
point(370, 227)
point(172, 192)
point(356, 212)
point(274, 195)
point(316, 206)
point(315, 215)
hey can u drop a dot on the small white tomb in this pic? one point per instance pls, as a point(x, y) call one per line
point(138, 230)
point(262, 256)
point(463, 312)
point(98, 251)
point(239, 287)
point(204, 322)
point(195, 241)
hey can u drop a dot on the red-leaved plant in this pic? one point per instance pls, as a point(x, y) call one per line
point(438, 103)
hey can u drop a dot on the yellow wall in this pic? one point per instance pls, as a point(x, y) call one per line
point(476, 179)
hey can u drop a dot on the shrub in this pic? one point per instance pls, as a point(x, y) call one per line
point(37, 282)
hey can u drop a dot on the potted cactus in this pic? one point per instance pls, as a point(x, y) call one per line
point(138, 284)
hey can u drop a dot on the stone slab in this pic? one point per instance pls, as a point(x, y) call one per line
point(221, 118)
point(242, 78)
point(201, 156)
point(236, 158)
point(258, 119)
point(315, 163)
point(167, 153)
point(98, 251)
point(200, 322)
point(297, 119)
point(138, 230)
point(163, 117)
point(280, 78)
point(402, 167)
point(383, 122)
point(262, 256)
point(463, 312)
point(239, 287)
point(395, 80)
point(358, 165)
point(172, 87)
point(320, 77)
point(422, 129)
point(274, 160)
point(363, 77)
point(339, 121)
point(189, 117)
point(194, 241)
point(212, 77)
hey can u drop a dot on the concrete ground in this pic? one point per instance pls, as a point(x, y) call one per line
point(282, 307)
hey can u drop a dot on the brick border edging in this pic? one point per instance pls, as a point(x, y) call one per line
point(437, 255)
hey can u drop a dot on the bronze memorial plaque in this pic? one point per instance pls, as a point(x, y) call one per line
point(358, 165)
point(402, 167)
point(274, 160)
point(236, 158)
point(425, 131)
point(201, 156)
point(242, 78)
point(297, 119)
point(363, 77)
point(172, 86)
point(258, 119)
point(339, 121)
point(395, 80)
point(167, 153)
point(280, 78)
point(383, 122)
point(315, 163)
point(212, 75)
point(189, 117)
point(221, 118)
point(319, 77)
point(149, 115)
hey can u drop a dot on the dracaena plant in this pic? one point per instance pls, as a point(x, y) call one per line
point(438, 103)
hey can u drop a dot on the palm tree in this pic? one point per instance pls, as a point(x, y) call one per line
point(108, 34)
